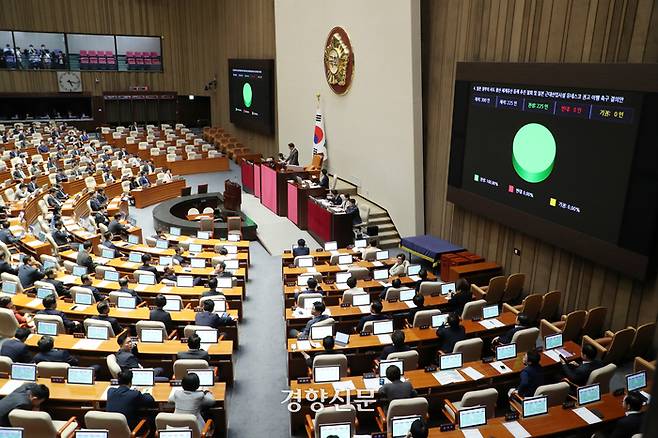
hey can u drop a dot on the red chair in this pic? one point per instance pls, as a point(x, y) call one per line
point(83, 53)
point(111, 63)
point(130, 54)
point(84, 63)
point(102, 63)
point(93, 63)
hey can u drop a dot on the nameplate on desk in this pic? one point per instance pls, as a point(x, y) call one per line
point(430, 368)
point(511, 416)
point(183, 340)
point(424, 327)
point(79, 335)
point(175, 383)
point(447, 427)
point(303, 380)
point(365, 334)
point(392, 300)
point(57, 379)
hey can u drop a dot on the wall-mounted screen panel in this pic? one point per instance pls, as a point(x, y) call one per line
point(91, 52)
point(139, 53)
point(40, 50)
point(8, 59)
point(251, 94)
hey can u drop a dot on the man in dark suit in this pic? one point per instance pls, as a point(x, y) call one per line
point(47, 352)
point(311, 288)
point(462, 296)
point(398, 345)
point(146, 266)
point(94, 204)
point(212, 289)
point(578, 374)
point(29, 271)
point(127, 359)
point(107, 241)
point(328, 343)
point(50, 308)
point(159, 314)
point(126, 401)
point(293, 156)
point(87, 284)
point(317, 314)
point(5, 266)
point(353, 210)
point(194, 350)
point(100, 217)
point(376, 308)
point(631, 423)
point(52, 199)
point(301, 249)
point(395, 284)
point(84, 257)
point(123, 287)
point(522, 323)
point(116, 227)
point(397, 389)
point(61, 290)
point(450, 335)
point(324, 179)
point(15, 347)
point(61, 236)
point(6, 236)
point(210, 319)
point(104, 315)
point(419, 302)
point(28, 397)
point(32, 185)
point(531, 376)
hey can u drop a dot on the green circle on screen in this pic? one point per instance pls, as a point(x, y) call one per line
point(533, 152)
point(247, 94)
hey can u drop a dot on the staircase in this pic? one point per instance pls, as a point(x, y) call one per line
point(388, 236)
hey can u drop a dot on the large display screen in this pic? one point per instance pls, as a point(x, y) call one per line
point(251, 94)
point(570, 164)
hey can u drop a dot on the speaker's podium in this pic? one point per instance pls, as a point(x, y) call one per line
point(232, 196)
point(273, 185)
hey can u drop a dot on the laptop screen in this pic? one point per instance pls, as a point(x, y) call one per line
point(135, 257)
point(413, 269)
point(344, 259)
point(361, 300)
point(382, 327)
point(133, 239)
point(342, 277)
point(360, 243)
point(439, 320)
point(174, 231)
point(9, 287)
point(553, 341)
point(204, 235)
point(184, 281)
point(322, 374)
point(175, 433)
point(302, 280)
point(195, 247)
point(198, 263)
point(407, 294)
point(636, 381)
point(151, 335)
point(24, 371)
point(174, 304)
point(224, 282)
point(166, 260)
point(342, 338)
point(208, 336)
point(305, 262)
point(506, 351)
point(402, 425)
point(337, 430)
point(232, 264)
point(47, 328)
point(384, 364)
point(146, 279)
point(447, 288)
point(206, 376)
point(111, 275)
point(381, 255)
point(331, 246)
point(107, 253)
point(472, 417)
point(450, 361)
point(589, 394)
point(80, 376)
point(98, 332)
point(43, 292)
point(490, 311)
point(143, 376)
point(84, 298)
point(380, 274)
point(11, 432)
point(535, 406)
point(79, 271)
point(320, 332)
point(47, 264)
point(161, 244)
point(126, 302)
point(231, 249)
point(233, 238)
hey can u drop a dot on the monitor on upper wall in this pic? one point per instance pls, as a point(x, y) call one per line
point(251, 94)
point(563, 152)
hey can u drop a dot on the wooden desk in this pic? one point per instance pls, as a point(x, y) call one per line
point(478, 273)
point(291, 274)
point(325, 225)
point(298, 202)
point(319, 256)
point(158, 193)
point(187, 167)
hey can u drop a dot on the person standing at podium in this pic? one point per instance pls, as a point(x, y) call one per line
point(293, 156)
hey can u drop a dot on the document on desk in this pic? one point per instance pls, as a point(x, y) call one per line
point(304, 345)
point(141, 287)
point(414, 277)
point(472, 373)
point(515, 428)
point(587, 415)
point(410, 304)
point(554, 355)
point(34, 303)
point(343, 267)
point(364, 309)
point(88, 344)
point(206, 347)
point(347, 385)
point(383, 283)
point(372, 383)
point(68, 278)
point(377, 264)
point(449, 376)
point(471, 433)
point(500, 367)
point(491, 323)
point(342, 286)
point(334, 253)
point(564, 352)
point(11, 386)
point(311, 270)
point(103, 284)
point(166, 289)
point(79, 307)
point(385, 339)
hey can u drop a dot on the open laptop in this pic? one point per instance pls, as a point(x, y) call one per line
point(143, 376)
point(345, 259)
point(636, 381)
point(203, 235)
point(305, 262)
point(206, 376)
point(233, 238)
point(24, 371)
point(506, 351)
point(450, 361)
point(184, 281)
point(91, 433)
point(175, 433)
point(360, 300)
point(407, 294)
point(342, 339)
point(331, 246)
point(98, 332)
point(439, 320)
point(208, 336)
point(490, 312)
point(9, 287)
point(174, 231)
point(472, 417)
point(232, 265)
point(79, 376)
point(126, 302)
point(553, 341)
point(231, 249)
point(107, 253)
point(135, 257)
point(589, 394)
point(224, 282)
point(198, 263)
point(336, 430)
point(381, 255)
point(413, 269)
point(151, 335)
point(11, 432)
point(533, 406)
point(220, 304)
point(147, 279)
point(79, 271)
point(342, 277)
point(380, 274)
point(111, 275)
point(43, 292)
point(401, 425)
point(47, 328)
point(318, 333)
point(166, 260)
point(84, 298)
point(326, 374)
point(384, 327)
point(174, 304)
point(161, 244)
point(447, 288)
point(360, 243)
point(133, 239)
point(195, 248)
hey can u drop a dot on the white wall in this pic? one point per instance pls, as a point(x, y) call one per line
point(374, 132)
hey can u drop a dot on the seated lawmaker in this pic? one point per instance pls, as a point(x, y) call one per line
point(398, 345)
point(103, 309)
point(396, 389)
point(159, 314)
point(127, 359)
point(531, 376)
point(6, 303)
point(462, 296)
point(29, 396)
point(50, 308)
point(116, 227)
point(15, 348)
point(194, 350)
point(328, 343)
point(6, 236)
point(631, 423)
point(324, 179)
point(376, 308)
point(84, 256)
point(399, 269)
point(451, 334)
point(190, 401)
point(127, 401)
point(579, 374)
point(88, 284)
point(317, 314)
point(522, 323)
point(60, 288)
point(29, 271)
point(311, 288)
point(146, 266)
point(48, 352)
point(123, 287)
point(212, 289)
point(301, 249)
point(210, 319)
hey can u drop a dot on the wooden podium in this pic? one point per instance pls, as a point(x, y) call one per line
point(232, 196)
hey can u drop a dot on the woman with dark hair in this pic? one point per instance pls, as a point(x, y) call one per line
point(190, 400)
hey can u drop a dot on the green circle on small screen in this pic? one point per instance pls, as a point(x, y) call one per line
point(533, 152)
point(247, 94)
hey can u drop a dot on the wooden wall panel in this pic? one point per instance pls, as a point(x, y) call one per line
point(529, 31)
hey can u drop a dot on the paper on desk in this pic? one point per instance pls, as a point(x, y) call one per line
point(377, 264)
point(334, 253)
point(103, 284)
point(34, 303)
point(311, 270)
point(472, 373)
point(448, 376)
point(491, 323)
point(414, 277)
point(343, 267)
point(471, 433)
point(515, 428)
point(68, 278)
point(372, 383)
point(343, 386)
point(385, 339)
point(500, 367)
point(79, 307)
point(141, 287)
point(410, 304)
point(11, 386)
point(364, 309)
point(165, 289)
point(88, 344)
point(552, 354)
point(304, 345)
point(206, 347)
point(587, 415)
point(564, 352)
point(342, 286)
point(383, 283)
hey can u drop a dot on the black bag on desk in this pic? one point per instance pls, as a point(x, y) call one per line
point(372, 230)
